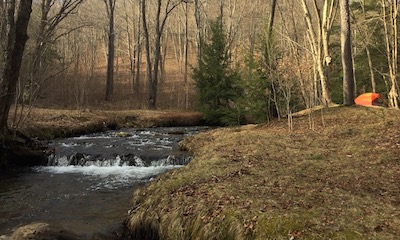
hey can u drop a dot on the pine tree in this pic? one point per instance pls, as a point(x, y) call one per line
point(216, 82)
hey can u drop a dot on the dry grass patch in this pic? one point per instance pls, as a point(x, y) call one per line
point(339, 181)
point(53, 123)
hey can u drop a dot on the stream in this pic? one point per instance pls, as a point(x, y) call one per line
point(88, 184)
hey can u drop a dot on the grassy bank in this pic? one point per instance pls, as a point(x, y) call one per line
point(53, 123)
point(340, 180)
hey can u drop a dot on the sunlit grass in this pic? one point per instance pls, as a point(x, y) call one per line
point(337, 181)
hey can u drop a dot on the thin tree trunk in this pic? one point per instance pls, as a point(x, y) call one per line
point(316, 45)
point(159, 29)
point(347, 60)
point(199, 29)
point(371, 69)
point(186, 57)
point(271, 19)
point(111, 51)
point(138, 51)
point(391, 38)
point(147, 48)
point(131, 52)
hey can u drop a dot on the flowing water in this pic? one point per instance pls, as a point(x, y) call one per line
point(89, 181)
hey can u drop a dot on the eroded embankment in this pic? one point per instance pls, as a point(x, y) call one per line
point(339, 180)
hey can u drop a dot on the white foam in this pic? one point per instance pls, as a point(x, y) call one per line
point(148, 133)
point(68, 145)
point(86, 137)
point(120, 172)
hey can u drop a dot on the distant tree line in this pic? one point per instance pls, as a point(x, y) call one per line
point(282, 55)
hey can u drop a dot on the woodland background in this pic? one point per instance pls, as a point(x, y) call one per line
point(282, 49)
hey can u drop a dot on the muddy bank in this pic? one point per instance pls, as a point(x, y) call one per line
point(20, 150)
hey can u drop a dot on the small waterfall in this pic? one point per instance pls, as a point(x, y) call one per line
point(83, 160)
point(129, 147)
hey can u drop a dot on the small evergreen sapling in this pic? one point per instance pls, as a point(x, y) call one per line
point(216, 82)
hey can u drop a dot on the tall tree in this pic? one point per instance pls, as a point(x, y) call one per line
point(347, 60)
point(390, 10)
point(271, 18)
point(367, 29)
point(318, 33)
point(3, 6)
point(199, 28)
point(153, 62)
point(52, 14)
point(17, 24)
point(110, 6)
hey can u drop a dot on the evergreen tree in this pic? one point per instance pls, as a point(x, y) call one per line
point(216, 82)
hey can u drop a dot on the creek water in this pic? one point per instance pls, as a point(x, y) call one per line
point(88, 183)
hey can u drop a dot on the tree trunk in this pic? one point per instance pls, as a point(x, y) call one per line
point(185, 77)
point(131, 51)
point(147, 48)
point(199, 26)
point(317, 42)
point(347, 60)
point(391, 39)
point(138, 52)
point(271, 19)
point(51, 15)
point(111, 50)
point(16, 149)
point(17, 37)
point(153, 69)
point(371, 70)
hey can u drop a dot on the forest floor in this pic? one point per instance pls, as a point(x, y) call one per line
point(336, 175)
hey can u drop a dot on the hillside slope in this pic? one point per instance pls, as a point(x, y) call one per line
point(340, 180)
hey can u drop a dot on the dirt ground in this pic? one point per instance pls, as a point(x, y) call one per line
point(335, 176)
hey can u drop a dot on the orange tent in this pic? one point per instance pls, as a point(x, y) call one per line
point(367, 99)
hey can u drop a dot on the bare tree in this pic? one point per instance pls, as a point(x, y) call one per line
point(153, 63)
point(139, 51)
point(129, 42)
point(185, 76)
point(200, 26)
point(16, 37)
point(390, 23)
point(272, 18)
point(110, 5)
point(3, 29)
point(319, 32)
point(366, 25)
point(52, 14)
point(347, 60)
